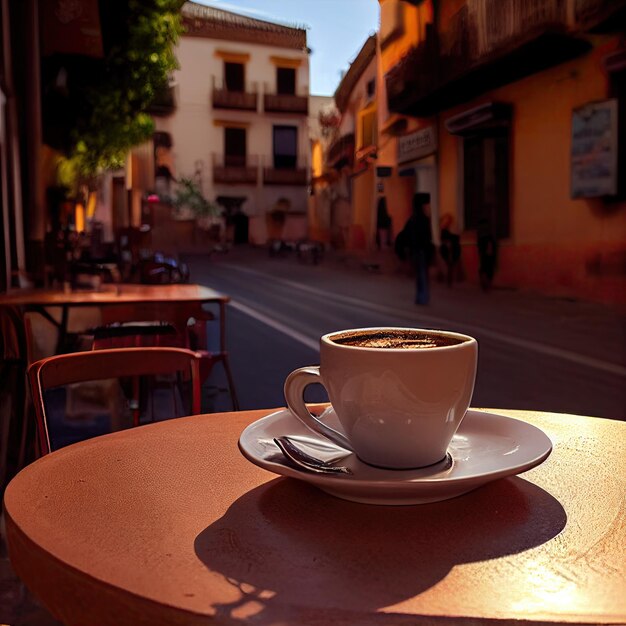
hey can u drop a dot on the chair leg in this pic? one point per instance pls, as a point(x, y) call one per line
point(231, 383)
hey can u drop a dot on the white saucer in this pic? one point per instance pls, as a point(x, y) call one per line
point(486, 447)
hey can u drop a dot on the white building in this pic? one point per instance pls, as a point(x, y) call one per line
point(238, 118)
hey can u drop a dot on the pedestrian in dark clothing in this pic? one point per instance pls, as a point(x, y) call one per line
point(417, 237)
point(450, 248)
point(487, 253)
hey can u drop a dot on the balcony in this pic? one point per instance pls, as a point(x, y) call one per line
point(341, 152)
point(164, 102)
point(485, 45)
point(223, 98)
point(235, 170)
point(291, 176)
point(285, 103)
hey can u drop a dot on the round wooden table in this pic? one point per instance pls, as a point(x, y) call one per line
point(169, 524)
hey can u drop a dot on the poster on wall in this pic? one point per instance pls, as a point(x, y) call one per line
point(594, 150)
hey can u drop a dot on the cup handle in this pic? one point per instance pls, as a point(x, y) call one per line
point(295, 384)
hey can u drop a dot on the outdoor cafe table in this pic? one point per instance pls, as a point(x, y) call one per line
point(41, 300)
point(169, 524)
point(157, 301)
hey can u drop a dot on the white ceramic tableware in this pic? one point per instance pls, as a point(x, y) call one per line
point(486, 447)
point(398, 407)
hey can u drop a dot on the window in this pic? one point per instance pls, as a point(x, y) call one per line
point(286, 80)
point(235, 147)
point(285, 147)
point(486, 173)
point(367, 129)
point(234, 76)
point(371, 88)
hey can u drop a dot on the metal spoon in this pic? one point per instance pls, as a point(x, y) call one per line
point(306, 461)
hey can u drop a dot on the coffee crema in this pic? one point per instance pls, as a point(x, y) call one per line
point(394, 339)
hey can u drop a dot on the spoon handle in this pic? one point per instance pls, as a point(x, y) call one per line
point(306, 461)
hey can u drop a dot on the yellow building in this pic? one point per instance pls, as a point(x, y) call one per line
point(507, 113)
point(353, 155)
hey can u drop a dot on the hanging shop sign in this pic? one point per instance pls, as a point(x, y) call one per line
point(418, 144)
point(594, 150)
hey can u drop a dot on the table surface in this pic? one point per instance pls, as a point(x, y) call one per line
point(112, 294)
point(169, 524)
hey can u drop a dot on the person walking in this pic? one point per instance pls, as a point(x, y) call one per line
point(450, 248)
point(416, 236)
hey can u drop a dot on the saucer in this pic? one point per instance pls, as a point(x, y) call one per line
point(486, 447)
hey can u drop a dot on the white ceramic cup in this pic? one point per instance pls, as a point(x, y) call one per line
point(398, 407)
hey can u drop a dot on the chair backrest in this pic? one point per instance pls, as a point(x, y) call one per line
point(174, 314)
point(77, 367)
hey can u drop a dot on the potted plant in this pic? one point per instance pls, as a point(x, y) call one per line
point(189, 203)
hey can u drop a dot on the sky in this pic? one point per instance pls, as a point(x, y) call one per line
point(336, 30)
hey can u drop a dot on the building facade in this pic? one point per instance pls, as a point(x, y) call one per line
point(323, 121)
point(237, 121)
point(512, 115)
point(353, 155)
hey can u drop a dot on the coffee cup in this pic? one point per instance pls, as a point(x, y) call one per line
point(399, 393)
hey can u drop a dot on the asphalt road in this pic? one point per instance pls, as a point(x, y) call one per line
point(534, 352)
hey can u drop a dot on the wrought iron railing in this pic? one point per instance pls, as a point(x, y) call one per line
point(235, 169)
point(224, 98)
point(287, 174)
point(481, 31)
point(341, 151)
point(285, 103)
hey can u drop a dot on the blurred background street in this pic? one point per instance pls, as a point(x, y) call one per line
point(536, 352)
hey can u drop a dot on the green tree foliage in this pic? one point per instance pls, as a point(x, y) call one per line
point(101, 111)
point(188, 197)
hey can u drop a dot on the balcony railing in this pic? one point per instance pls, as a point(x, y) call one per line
point(235, 169)
point(223, 98)
point(485, 45)
point(165, 100)
point(296, 175)
point(341, 151)
point(285, 103)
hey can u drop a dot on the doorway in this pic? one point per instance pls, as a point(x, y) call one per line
point(426, 181)
point(486, 182)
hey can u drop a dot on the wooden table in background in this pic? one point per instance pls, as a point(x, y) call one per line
point(110, 296)
point(157, 302)
point(169, 524)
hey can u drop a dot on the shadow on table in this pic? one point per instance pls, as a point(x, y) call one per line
point(288, 544)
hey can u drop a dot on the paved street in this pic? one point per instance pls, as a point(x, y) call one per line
point(535, 352)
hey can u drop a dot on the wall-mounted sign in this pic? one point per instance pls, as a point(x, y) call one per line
point(418, 144)
point(594, 150)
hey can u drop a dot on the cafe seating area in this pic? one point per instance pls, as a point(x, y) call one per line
point(109, 368)
point(136, 505)
point(99, 303)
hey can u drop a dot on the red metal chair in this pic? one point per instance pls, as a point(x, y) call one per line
point(122, 363)
point(165, 325)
